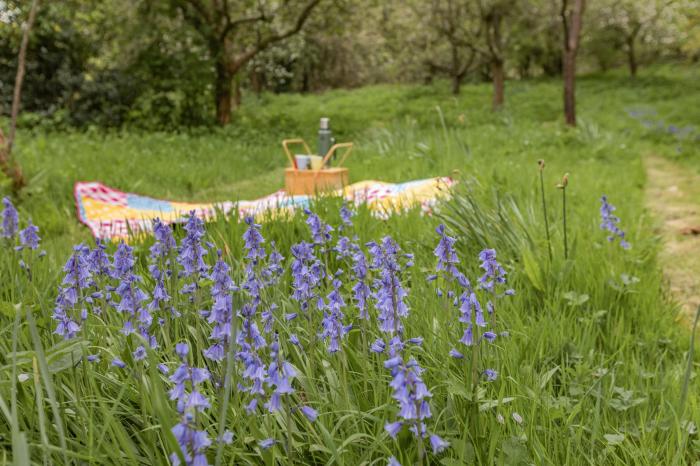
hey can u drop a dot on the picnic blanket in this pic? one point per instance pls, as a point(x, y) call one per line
point(112, 214)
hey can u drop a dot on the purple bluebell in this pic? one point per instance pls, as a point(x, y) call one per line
point(193, 443)
point(389, 293)
point(307, 274)
point(98, 260)
point(10, 219)
point(73, 293)
point(494, 274)
point(333, 328)
point(191, 253)
point(361, 290)
point(490, 375)
point(187, 378)
point(280, 375)
point(132, 297)
point(320, 231)
point(267, 443)
point(29, 237)
point(346, 216)
point(116, 362)
point(221, 313)
point(253, 240)
point(610, 221)
point(310, 413)
point(140, 353)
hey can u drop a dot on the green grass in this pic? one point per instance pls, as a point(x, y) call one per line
point(595, 363)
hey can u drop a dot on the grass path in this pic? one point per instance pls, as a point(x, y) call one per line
point(673, 194)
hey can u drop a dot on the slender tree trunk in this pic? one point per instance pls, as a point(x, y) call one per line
point(632, 57)
point(456, 84)
point(498, 77)
point(8, 165)
point(222, 92)
point(569, 71)
point(572, 33)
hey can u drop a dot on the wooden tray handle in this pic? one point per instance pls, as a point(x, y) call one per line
point(285, 145)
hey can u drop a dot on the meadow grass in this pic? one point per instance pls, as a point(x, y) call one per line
point(594, 368)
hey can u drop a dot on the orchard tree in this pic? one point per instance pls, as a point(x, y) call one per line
point(636, 21)
point(452, 25)
point(236, 31)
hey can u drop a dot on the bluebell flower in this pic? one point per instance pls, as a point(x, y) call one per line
point(389, 293)
point(29, 238)
point(116, 362)
point(253, 240)
point(280, 375)
point(10, 219)
point(98, 260)
point(346, 216)
point(267, 443)
point(490, 375)
point(221, 313)
point(320, 231)
point(140, 353)
point(191, 253)
point(438, 444)
point(610, 221)
point(73, 293)
point(310, 413)
point(333, 328)
point(493, 272)
point(393, 462)
point(307, 274)
point(186, 377)
point(193, 443)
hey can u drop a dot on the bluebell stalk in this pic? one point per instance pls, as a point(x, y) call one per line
point(389, 294)
point(10, 220)
point(190, 401)
point(221, 313)
point(346, 216)
point(320, 231)
point(609, 222)
point(132, 297)
point(191, 255)
point(280, 375)
point(307, 275)
point(29, 237)
point(71, 294)
point(334, 330)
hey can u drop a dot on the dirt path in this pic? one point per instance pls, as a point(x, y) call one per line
point(673, 194)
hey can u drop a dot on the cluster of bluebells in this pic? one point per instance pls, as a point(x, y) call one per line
point(408, 389)
point(492, 283)
point(9, 231)
point(609, 222)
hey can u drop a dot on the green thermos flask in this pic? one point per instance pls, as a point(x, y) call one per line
point(325, 138)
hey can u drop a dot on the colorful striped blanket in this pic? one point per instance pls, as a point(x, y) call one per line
point(113, 214)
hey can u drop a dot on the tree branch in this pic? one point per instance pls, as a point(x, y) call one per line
point(269, 40)
point(10, 167)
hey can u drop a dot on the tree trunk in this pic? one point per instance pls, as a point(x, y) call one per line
point(569, 70)
point(456, 84)
point(572, 33)
point(632, 57)
point(498, 77)
point(222, 92)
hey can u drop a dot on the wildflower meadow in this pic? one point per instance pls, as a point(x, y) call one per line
point(332, 336)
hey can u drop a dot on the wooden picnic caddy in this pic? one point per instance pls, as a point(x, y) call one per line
point(318, 176)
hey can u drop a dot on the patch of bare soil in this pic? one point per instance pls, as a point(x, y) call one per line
point(673, 194)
